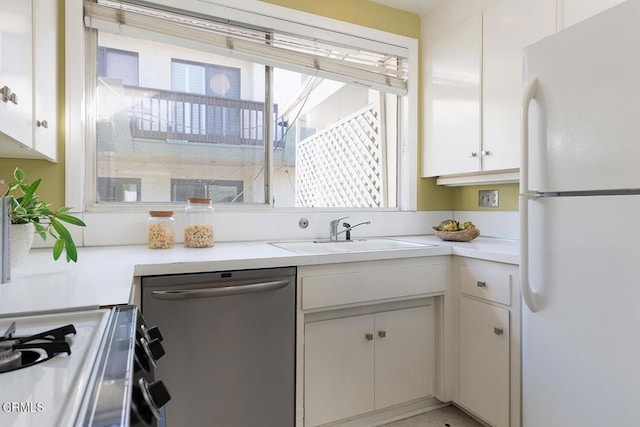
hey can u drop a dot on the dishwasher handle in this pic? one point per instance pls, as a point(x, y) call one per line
point(179, 294)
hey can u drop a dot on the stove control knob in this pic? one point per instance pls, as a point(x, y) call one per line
point(155, 395)
point(159, 393)
point(152, 333)
point(153, 350)
point(157, 351)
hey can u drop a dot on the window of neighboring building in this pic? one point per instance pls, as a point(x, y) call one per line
point(119, 189)
point(215, 82)
point(219, 191)
point(118, 64)
point(196, 121)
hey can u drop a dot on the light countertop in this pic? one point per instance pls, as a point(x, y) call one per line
point(104, 275)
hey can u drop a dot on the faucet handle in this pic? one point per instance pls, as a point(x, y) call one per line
point(337, 221)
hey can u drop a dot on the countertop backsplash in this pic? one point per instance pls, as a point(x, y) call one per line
point(117, 228)
point(501, 224)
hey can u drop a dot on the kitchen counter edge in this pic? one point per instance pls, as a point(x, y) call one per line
point(105, 276)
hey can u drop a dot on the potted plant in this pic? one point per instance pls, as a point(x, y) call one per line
point(25, 207)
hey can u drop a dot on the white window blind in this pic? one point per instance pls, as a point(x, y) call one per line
point(378, 70)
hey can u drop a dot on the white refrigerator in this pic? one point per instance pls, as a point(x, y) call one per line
point(580, 218)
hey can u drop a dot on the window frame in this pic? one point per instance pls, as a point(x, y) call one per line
point(257, 13)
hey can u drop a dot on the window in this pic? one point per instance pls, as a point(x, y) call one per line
point(119, 189)
point(217, 118)
point(195, 118)
point(118, 64)
point(219, 191)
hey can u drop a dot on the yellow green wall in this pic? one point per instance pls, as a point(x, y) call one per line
point(466, 198)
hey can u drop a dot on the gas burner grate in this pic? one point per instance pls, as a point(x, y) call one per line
point(24, 351)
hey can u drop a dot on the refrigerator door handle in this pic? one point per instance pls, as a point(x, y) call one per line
point(529, 296)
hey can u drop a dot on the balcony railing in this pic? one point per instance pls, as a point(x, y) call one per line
point(167, 115)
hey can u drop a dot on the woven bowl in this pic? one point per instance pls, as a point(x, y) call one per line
point(457, 236)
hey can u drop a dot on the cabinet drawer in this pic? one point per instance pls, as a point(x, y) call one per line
point(349, 287)
point(486, 283)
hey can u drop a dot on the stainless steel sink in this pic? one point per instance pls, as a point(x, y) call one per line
point(342, 246)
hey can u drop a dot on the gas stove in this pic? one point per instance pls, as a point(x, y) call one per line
point(91, 367)
point(22, 352)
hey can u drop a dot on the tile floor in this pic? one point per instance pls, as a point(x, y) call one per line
point(449, 416)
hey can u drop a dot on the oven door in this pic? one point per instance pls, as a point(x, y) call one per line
point(123, 390)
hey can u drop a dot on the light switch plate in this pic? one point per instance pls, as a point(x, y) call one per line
point(488, 198)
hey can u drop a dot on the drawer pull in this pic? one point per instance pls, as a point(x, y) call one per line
point(481, 284)
point(498, 331)
point(42, 123)
point(368, 336)
point(382, 334)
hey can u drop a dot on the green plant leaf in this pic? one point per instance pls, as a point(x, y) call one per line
point(58, 247)
point(72, 251)
point(30, 190)
point(70, 219)
point(28, 208)
point(61, 229)
point(18, 174)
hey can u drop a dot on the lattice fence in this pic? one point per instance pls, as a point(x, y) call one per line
point(342, 166)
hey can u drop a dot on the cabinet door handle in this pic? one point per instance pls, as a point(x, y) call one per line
point(368, 336)
point(42, 123)
point(498, 331)
point(485, 152)
point(382, 334)
point(7, 95)
point(481, 284)
point(474, 154)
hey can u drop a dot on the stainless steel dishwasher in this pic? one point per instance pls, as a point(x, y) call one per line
point(230, 346)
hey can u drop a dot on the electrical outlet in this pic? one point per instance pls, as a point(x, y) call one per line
point(488, 198)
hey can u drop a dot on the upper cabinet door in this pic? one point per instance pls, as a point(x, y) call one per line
point(508, 28)
point(579, 10)
point(15, 72)
point(453, 101)
point(45, 84)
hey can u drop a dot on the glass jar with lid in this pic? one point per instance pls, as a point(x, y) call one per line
point(160, 230)
point(198, 232)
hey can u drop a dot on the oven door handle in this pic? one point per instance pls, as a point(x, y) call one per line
point(222, 291)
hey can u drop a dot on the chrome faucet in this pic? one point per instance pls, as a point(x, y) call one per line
point(334, 233)
point(348, 227)
point(333, 228)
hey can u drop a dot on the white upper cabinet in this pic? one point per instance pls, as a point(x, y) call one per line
point(453, 95)
point(579, 10)
point(15, 72)
point(45, 122)
point(474, 88)
point(28, 71)
point(508, 27)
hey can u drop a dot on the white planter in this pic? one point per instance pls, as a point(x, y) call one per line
point(21, 239)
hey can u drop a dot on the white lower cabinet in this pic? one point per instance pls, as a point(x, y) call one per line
point(358, 364)
point(484, 360)
point(404, 354)
point(488, 297)
point(339, 364)
point(368, 334)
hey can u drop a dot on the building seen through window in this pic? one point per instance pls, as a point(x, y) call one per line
point(174, 122)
